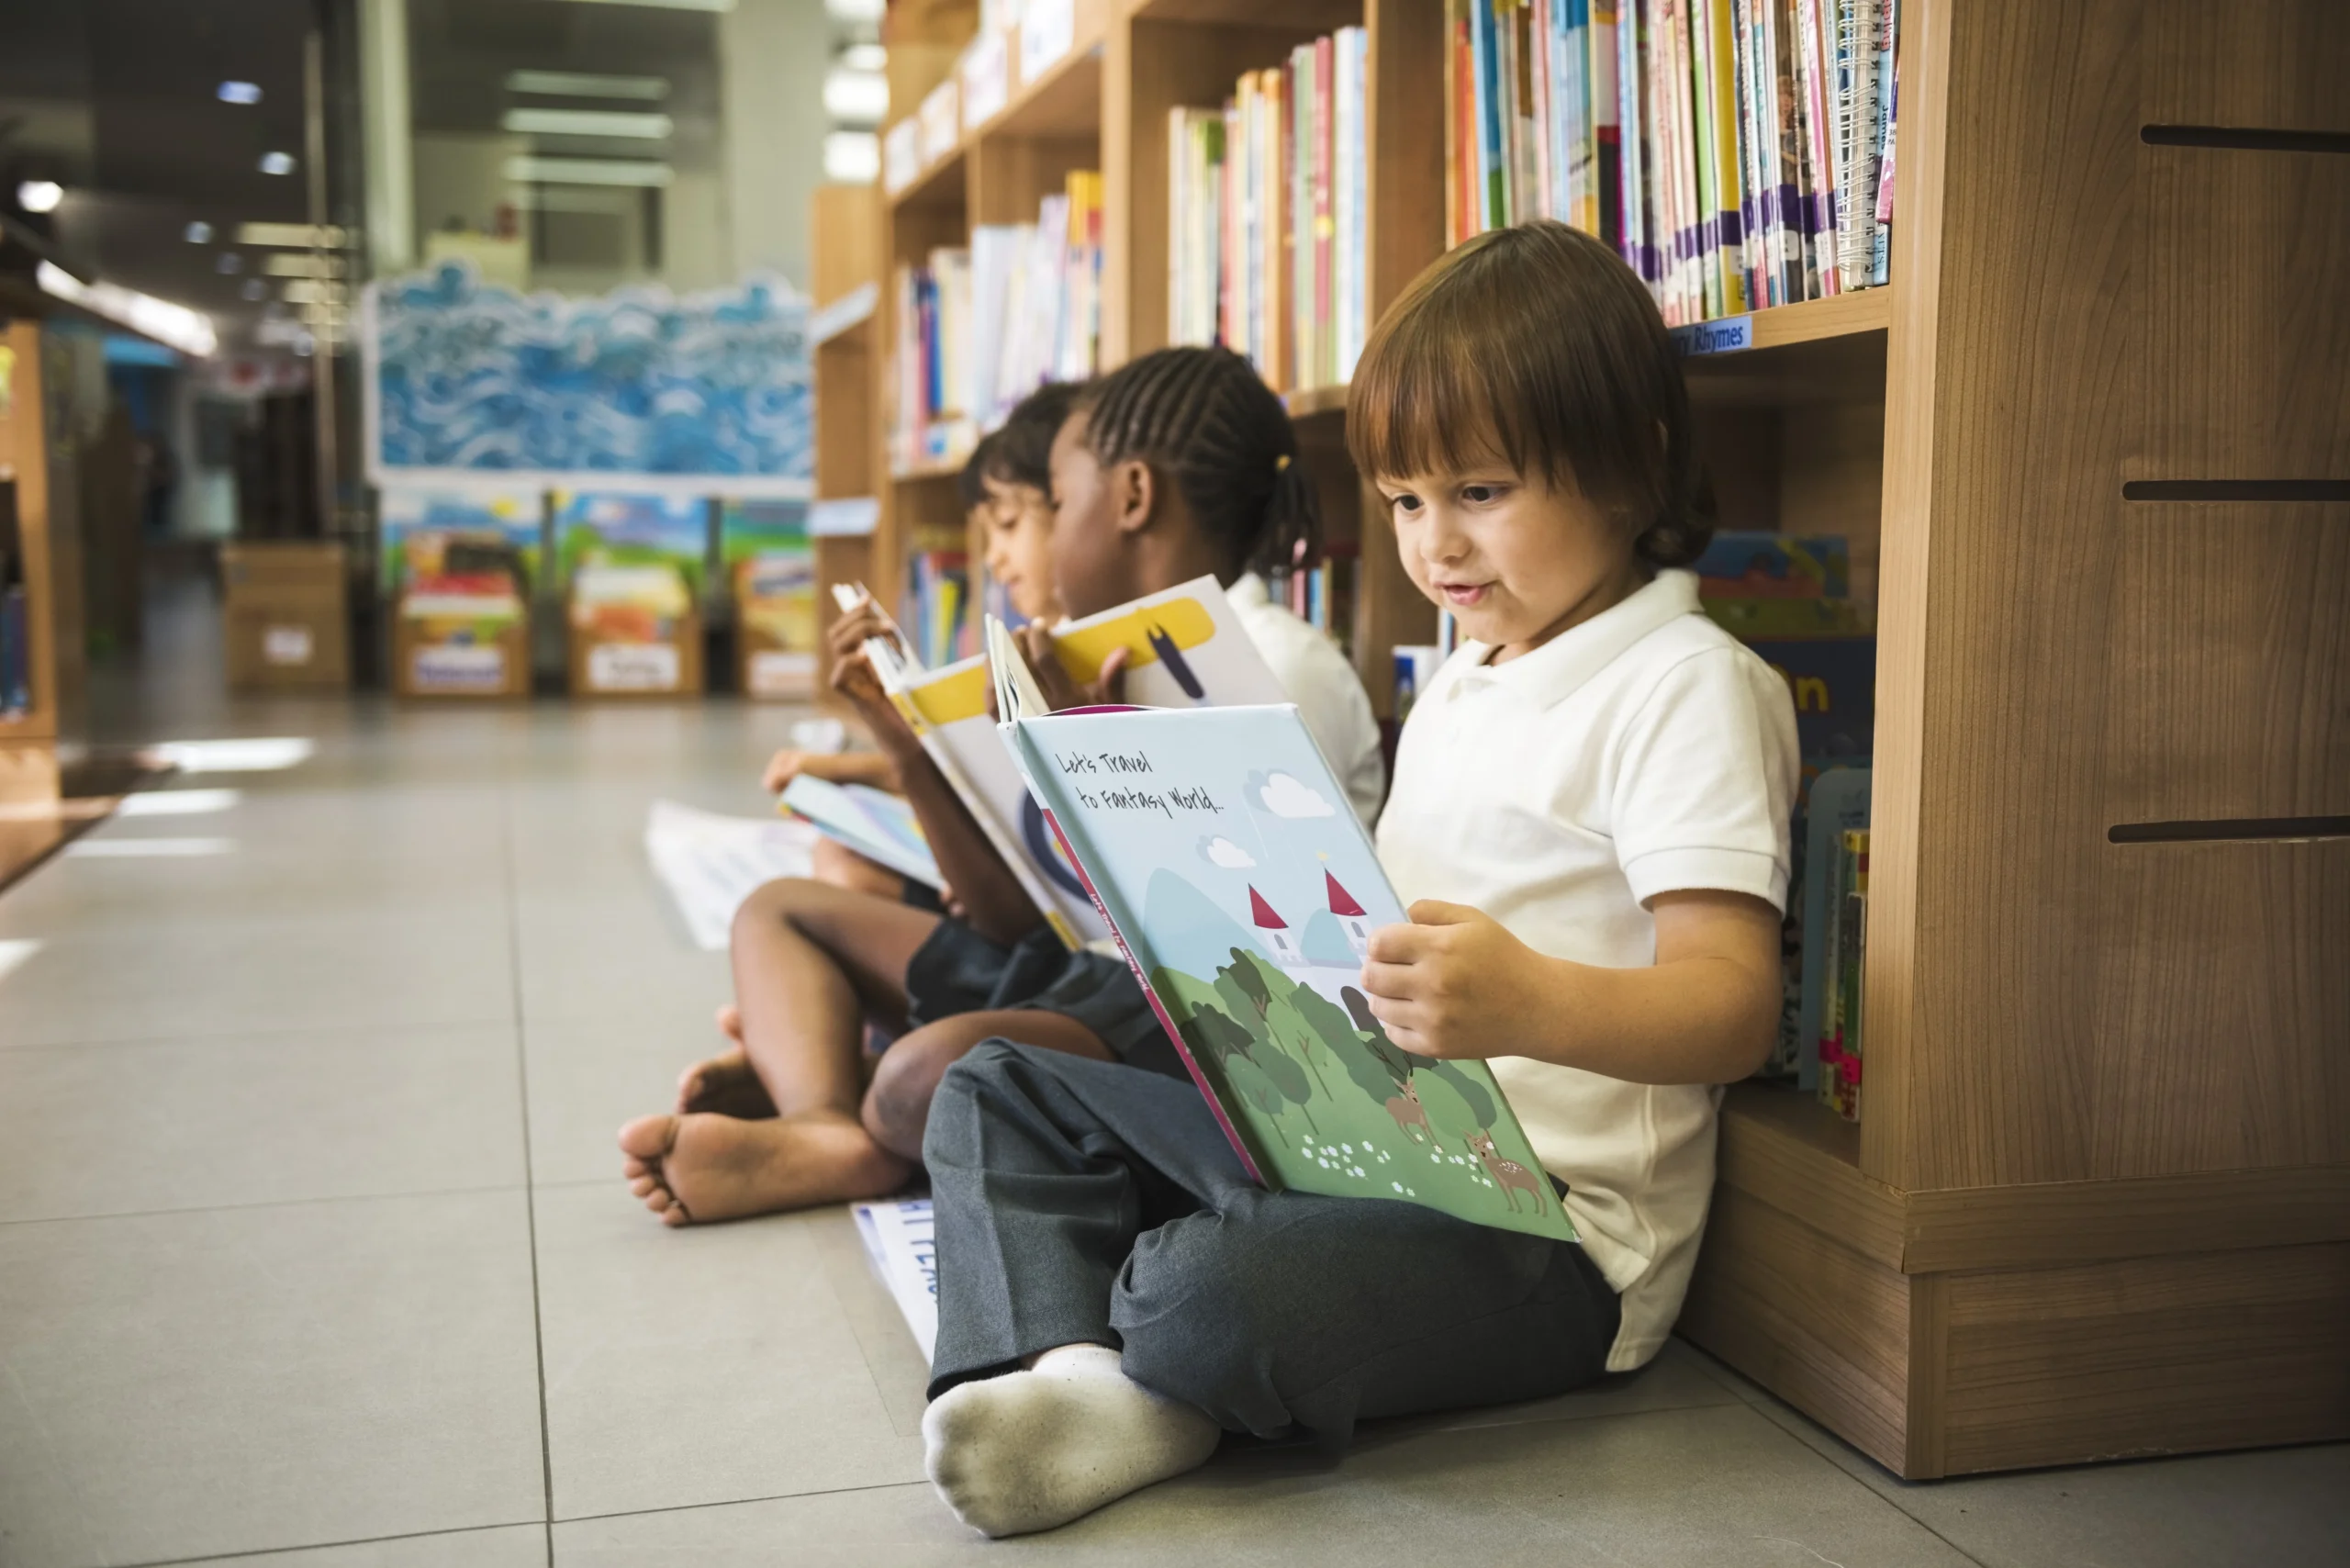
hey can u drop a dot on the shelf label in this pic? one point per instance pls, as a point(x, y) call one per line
point(1047, 27)
point(901, 156)
point(987, 78)
point(847, 518)
point(632, 666)
point(1728, 335)
point(940, 128)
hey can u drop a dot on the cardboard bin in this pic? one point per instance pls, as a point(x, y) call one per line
point(288, 615)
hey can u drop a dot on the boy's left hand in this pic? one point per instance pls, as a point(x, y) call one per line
point(1452, 983)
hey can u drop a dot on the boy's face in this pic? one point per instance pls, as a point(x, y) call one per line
point(1515, 560)
point(1017, 524)
point(1091, 564)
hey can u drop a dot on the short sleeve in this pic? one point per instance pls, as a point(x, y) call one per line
point(1706, 780)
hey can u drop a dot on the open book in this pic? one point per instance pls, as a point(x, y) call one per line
point(1184, 647)
point(1243, 891)
point(876, 824)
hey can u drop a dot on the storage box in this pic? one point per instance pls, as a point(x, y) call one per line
point(668, 664)
point(286, 611)
point(437, 657)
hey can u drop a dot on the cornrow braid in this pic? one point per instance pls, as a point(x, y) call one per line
point(1203, 418)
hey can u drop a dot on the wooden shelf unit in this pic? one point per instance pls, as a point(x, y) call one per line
point(41, 461)
point(850, 372)
point(2099, 1204)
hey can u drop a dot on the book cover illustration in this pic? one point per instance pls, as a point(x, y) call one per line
point(1184, 647)
point(1245, 894)
point(877, 825)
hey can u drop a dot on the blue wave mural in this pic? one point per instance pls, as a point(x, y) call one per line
point(466, 375)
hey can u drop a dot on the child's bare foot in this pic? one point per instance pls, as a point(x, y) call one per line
point(693, 1169)
point(725, 1084)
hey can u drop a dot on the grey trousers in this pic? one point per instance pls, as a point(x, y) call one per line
point(1089, 1201)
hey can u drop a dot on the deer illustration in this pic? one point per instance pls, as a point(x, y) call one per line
point(1409, 1112)
point(1508, 1174)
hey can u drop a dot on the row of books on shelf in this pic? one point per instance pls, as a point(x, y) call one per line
point(936, 609)
point(1013, 47)
point(1268, 217)
point(1738, 153)
point(978, 328)
point(1322, 595)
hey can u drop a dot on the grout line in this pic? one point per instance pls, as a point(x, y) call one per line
point(264, 1203)
point(530, 1191)
point(743, 1502)
point(323, 1545)
point(262, 1035)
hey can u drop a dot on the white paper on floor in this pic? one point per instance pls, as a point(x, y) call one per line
point(709, 863)
point(898, 1239)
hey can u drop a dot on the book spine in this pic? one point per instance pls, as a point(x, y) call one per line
point(1608, 125)
point(1888, 94)
point(1325, 357)
point(1631, 196)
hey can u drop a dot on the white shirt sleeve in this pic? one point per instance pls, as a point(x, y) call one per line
point(1706, 780)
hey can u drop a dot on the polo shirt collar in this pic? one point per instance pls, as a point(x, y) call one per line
point(1557, 669)
point(1249, 592)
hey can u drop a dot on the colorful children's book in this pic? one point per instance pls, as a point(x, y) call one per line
point(877, 825)
point(1242, 893)
point(1838, 804)
point(1184, 647)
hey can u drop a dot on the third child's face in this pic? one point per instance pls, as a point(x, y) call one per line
point(1017, 523)
point(1089, 561)
point(1516, 561)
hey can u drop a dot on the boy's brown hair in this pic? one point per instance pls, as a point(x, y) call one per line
point(1536, 345)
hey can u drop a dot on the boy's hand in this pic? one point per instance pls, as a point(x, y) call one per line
point(1109, 687)
point(1452, 983)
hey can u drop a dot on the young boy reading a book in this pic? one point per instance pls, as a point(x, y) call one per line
point(1175, 466)
point(1589, 827)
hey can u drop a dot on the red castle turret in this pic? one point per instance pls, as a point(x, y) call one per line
point(1342, 902)
point(1351, 915)
point(1273, 930)
point(1262, 913)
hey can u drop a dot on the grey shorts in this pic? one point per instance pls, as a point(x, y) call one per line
point(1101, 993)
point(957, 970)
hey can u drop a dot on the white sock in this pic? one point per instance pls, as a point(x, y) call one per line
point(1031, 1449)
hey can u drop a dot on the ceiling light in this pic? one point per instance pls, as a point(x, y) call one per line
point(852, 157)
point(239, 92)
point(584, 84)
point(277, 163)
point(855, 10)
point(230, 262)
point(585, 122)
point(670, 5)
point(40, 196)
point(866, 57)
point(587, 171)
point(199, 233)
point(254, 289)
point(302, 263)
point(190, 332)
point(293, 236)
point(856, 97)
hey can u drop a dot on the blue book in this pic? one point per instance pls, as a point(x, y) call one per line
point(1242, 893)
point(877, 825)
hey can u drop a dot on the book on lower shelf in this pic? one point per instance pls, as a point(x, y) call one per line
point(1738, 153)
point(1268, 217)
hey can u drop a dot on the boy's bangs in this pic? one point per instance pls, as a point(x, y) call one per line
point(1424, 408)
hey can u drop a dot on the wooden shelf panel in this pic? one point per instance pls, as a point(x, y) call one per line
point(939, 186)
point(1315, 402)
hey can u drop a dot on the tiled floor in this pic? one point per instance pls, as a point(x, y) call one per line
point(313, 1251)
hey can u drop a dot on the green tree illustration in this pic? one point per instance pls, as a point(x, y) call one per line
point(1370, 1070)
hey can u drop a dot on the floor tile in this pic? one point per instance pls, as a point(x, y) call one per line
point(201, 976)
point(701, 1365)
point(616, 955)
point(241, 1380)
point(588, 1076)
point(511, 1546)
point(262, 1118)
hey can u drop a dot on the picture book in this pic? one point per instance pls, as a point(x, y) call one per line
point(1244, 892)
point(877, 825)
point(1185, 648)
point(1838, 804)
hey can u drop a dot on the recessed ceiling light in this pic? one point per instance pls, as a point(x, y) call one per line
point(587, 171)
point(584, 84)
point(254, 289)
point(40, 196)
point(199, 233)
point(277, 163)
point(239, 92)
point(585, 122)
point(866, 57)
point(230, 262)
point(852, 157)
point(190, 332)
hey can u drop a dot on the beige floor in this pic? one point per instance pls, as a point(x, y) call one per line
point(312, 1243)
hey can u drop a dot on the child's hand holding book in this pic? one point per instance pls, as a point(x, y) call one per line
point(1062, 690)
point(1453, 983)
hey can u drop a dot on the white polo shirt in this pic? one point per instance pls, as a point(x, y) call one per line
point(1642, 752)
point(1323, 684)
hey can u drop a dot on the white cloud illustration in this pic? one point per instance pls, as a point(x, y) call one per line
point(1222, 851)
point(1285, 797)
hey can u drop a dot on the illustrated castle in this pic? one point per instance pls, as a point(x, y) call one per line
point(1274, 931)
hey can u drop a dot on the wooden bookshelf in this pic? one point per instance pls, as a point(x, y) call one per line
point(850, 372)
point(38, 463)
point(2098, 1204)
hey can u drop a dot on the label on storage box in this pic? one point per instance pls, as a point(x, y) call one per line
point(1046, 29)
point(778, 672)
point(632, 666)
point(286, 645)
point(900, 155)
point(987, 77)
point(940, 127)
point(460, 667)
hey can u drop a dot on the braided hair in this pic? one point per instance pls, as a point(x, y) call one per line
point(1205, 419)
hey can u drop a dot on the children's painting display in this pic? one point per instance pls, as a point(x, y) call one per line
point(468, 378)
point(1185, 648)
point(459, 565)
point(633, 563)
point(769, 563)
point(1245, 893)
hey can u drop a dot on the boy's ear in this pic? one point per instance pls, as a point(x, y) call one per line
point(1135, 490)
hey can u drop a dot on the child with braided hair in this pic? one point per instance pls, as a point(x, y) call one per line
point(1180, 465)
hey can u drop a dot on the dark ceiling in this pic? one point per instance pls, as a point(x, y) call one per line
point(118, 100)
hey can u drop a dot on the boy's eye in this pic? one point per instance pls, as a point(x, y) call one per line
point(1404, 503)
point(1478, 495)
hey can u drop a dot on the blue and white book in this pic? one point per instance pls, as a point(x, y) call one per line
point(1221, 851)
point(877, 825)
